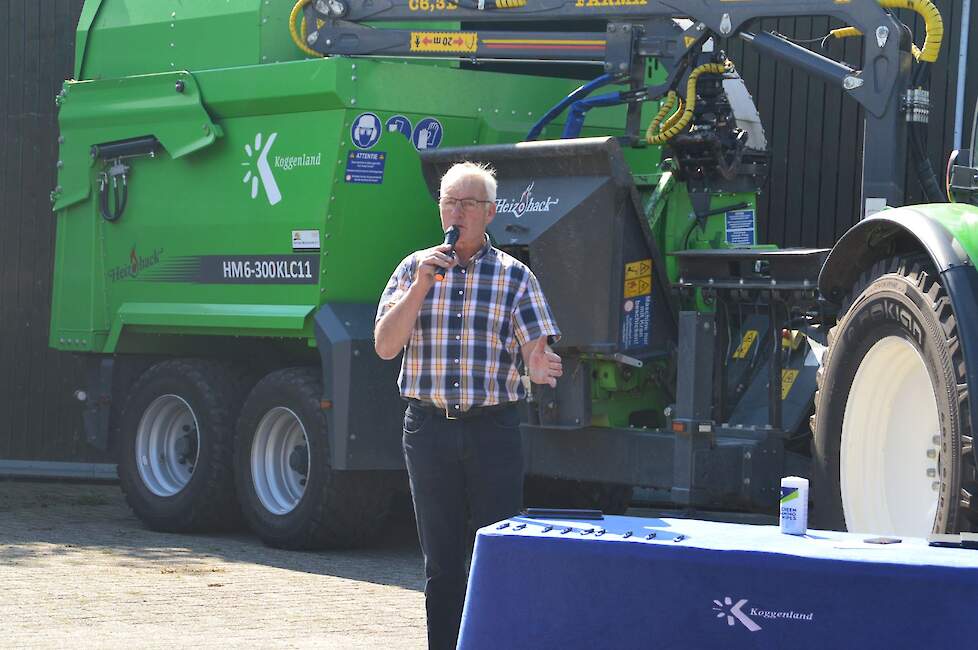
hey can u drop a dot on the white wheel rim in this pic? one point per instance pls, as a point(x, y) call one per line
point(167, 445)
point(890, 451)
point(276, 455)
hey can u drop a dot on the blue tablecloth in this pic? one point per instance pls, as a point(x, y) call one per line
point(699, 584)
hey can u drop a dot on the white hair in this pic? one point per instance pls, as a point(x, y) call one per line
point(467, 169)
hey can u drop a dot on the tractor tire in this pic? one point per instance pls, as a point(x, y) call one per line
point(289, 494)
point(892, 427)
point(175, 447)
point(544, 492)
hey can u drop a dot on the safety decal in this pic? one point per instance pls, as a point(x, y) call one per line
point(638, 278)
point(638, 269)
point(635, 322)
point(740, 227)
point(788, 377)
point(399, 124)
point(365, 131)
point(451, 42)
point(427, 134)
point(365, 167)
point(749, 337)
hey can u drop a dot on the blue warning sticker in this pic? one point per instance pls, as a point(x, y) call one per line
point(635, 322)
point(365, 167)
point(427, 134)
point(365, 130)
point(399, 124)
point(740, 227)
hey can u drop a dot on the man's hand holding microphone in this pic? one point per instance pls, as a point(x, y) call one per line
point(435, 261)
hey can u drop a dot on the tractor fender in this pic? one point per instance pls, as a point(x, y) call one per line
point(884, 234)
point(904, 230)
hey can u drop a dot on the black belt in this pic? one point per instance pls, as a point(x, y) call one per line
point(473, 412)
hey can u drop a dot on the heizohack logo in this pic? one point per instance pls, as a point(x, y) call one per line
point(734, 612)
point(525, 204)
point(259, 171)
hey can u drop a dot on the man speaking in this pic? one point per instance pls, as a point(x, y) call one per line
point(463, 334)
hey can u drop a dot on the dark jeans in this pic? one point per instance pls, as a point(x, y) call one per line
point(464, 474)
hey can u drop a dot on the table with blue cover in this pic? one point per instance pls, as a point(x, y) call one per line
point(627, 582)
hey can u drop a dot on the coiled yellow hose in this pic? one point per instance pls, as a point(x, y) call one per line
point(675, 124)
point(933, 27)
point(300, 41)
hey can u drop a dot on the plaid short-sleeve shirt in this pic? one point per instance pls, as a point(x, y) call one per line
point(464, 350)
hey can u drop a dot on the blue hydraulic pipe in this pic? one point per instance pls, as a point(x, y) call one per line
point(575, 116)
point(582, 91)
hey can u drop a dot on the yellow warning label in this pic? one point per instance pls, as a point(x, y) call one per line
point(788, 377)
point(638, 287)
point(689, 40)
point(444, 41)
point(749, 337)
point(638, 269)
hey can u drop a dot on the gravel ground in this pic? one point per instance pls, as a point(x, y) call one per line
point(78, 570)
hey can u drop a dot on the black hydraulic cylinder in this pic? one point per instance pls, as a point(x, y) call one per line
point(811, 62)
point(774, 389)
point(144, 146)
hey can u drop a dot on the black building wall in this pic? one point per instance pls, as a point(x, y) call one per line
point(810, 199)
point(39, 420)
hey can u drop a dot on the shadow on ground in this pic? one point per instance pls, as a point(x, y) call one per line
point(40, 520)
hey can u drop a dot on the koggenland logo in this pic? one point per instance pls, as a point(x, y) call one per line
point(734, 613)
point(259, 171)
point(739, 612)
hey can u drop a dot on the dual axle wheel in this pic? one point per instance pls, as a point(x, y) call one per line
point(197, 450)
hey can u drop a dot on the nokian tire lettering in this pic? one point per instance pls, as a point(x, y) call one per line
point(204, 393)
point(334, 509)
point(898, 302)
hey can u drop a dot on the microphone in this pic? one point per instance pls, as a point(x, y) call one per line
point(451, 236)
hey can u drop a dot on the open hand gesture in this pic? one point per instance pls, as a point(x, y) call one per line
point(545, 366)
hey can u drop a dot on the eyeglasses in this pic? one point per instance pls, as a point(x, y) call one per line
point(449, 203)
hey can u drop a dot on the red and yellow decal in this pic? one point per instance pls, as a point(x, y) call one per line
point(638, 278)
point(543, 44)
point(452, 42)
point(611, 3)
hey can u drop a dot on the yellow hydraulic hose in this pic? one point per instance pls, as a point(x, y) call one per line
point(675, 124)
point(669, 102)
point(300, 41)
point(933, 27)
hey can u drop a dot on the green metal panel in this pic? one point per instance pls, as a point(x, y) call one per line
point(89, 10)
point(959, 218)
point(95, 112)
point(202, 203)
point(130, 37)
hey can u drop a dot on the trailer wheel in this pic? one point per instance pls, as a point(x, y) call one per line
point(893, 451)
point(545, 492)
point(175, 458)
point(290, 495)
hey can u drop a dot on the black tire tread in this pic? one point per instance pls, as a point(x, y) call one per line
point(353, 505)
point(918, 270)
point(216, 507)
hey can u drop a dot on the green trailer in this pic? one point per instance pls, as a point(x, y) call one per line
point(237, 179)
